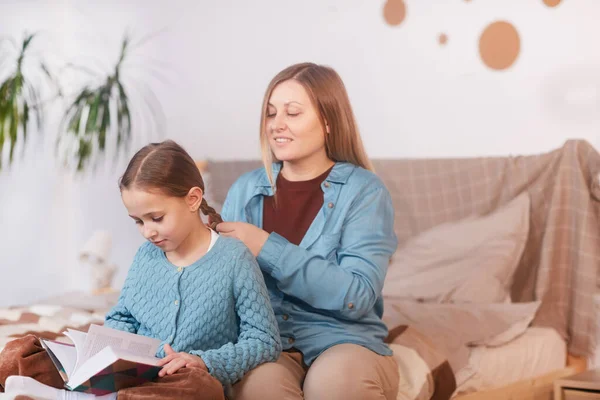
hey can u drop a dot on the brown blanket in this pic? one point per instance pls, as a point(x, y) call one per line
point(25, 356)
point(442, 376)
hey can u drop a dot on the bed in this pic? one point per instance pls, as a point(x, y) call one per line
point(541, 217)
point(491, 316)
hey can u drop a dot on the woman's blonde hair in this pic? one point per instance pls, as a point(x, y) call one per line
point(328, 95)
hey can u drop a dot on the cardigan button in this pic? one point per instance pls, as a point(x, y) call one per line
point(330, 205)
point(285, 317)
point(326, 184)
point(350, 306)
point(291, 340)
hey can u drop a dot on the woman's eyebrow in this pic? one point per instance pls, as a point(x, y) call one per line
point(287, 103)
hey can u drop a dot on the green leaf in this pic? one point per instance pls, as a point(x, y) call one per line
point(90, 126)
point(83, 153)
point(104, 125)
point(24, 121)
point(12, 130)
point(35, 106)
point(2, 127)
point(123, 115)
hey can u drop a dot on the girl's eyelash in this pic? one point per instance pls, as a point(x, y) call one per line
point(157, 219)
point(138, 222)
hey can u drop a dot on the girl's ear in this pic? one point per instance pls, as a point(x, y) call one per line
point(194, 199)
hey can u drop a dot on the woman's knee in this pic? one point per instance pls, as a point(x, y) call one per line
point(350, 372)
point(268, 381)
point(335, 379)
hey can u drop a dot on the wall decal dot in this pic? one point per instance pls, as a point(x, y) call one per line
point(394, 12)
point(443, 39)
point(552, 3)
point(499, 45)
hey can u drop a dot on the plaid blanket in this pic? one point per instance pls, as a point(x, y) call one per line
point(45, 321)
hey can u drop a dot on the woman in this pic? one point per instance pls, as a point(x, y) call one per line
point(321, 226)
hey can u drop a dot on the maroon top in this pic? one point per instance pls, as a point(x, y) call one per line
point(297, 206)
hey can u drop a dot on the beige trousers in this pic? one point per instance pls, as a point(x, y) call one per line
point(345, 372)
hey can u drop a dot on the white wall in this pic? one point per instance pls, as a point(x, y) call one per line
point(412, 97)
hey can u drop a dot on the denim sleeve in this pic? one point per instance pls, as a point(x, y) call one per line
point(352, 283)
point(230, 211)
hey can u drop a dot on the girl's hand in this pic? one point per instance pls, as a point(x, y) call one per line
point(253, 237)
point(175, 361)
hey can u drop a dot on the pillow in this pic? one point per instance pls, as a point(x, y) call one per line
point(455, 328)
point(470, 260)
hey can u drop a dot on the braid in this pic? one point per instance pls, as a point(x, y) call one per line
point(208, 210)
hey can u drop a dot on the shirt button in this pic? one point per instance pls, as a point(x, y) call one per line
point(291, 340)
point(176, 302)
point(179, 269)
point(350, 306)
point(285, 317)
point(330, 205)
point(326, 184)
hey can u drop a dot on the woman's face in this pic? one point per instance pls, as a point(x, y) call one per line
point(292, 124)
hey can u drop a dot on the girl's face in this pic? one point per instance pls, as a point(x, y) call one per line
point(292, 124)
point(166, 221)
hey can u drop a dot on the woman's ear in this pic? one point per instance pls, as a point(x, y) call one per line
point(194, 198)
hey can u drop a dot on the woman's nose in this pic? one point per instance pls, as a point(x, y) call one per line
point(278, 124)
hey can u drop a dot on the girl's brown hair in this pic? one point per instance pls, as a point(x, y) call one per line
point(166, 166)
point(328, 94)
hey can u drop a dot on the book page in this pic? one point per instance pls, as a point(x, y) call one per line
point(78, 339)
point(64, 353)
point(105, 358)
point(99, 337)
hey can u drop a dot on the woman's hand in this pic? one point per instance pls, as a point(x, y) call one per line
point(175, 361)
point(253, 237)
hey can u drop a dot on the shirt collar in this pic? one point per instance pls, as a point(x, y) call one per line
point(339, 174)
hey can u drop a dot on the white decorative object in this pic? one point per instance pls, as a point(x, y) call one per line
point(95, 254)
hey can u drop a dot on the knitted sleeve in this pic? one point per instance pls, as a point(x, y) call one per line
point(258, 340)
point(119, 316)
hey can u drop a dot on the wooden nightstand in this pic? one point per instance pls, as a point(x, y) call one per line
point(583, 386)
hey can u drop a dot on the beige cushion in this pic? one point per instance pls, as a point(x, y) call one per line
point(471, 260)
point(454, 328)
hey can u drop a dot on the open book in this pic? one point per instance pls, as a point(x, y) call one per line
point(104, 360)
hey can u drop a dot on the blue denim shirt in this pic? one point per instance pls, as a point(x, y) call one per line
point(327, 290)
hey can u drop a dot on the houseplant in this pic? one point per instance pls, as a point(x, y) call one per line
point(103, 112)
point(19, 96)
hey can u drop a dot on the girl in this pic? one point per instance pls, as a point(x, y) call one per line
point(321, 225)
point(202, 295)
